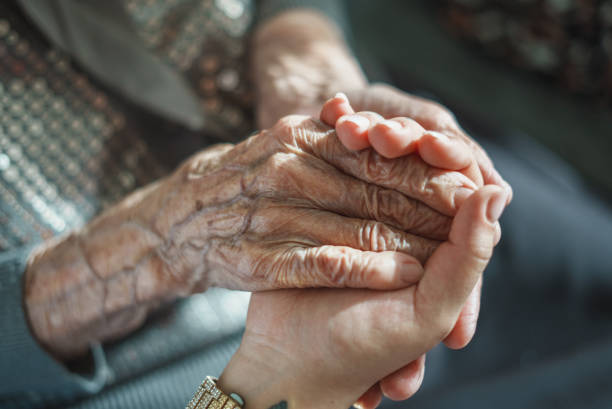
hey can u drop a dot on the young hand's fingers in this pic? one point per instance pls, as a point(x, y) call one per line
point(405, 382)
point(492, 177)
point(353, 130)
point(465, 327)
point(443, 152)
point(456, 266)
point(335, 108)
point(371, 399)
point(395, 137)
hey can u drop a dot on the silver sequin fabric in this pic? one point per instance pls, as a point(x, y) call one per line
point(69, 148)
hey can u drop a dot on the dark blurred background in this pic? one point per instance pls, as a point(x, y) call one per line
point(546, 74)
point(532, 81)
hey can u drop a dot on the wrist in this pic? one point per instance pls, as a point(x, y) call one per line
point(258, 375)
point(300, 60)
point(264, 376)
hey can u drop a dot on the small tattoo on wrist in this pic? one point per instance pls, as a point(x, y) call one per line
point(280, 405)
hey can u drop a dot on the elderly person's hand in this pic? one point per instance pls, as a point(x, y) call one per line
point(289, 207)
point(325, 348)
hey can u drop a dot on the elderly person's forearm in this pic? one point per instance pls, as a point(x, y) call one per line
point(300, 58)
point(290, 207)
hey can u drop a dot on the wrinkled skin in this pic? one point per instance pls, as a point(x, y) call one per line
point(290, 207)
point(324, 348)
point(326, 67)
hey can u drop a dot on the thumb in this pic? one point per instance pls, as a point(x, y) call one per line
point(456, 266)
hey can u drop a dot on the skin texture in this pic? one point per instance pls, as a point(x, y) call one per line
point(447, 147)
point(325, 348)
point(186, 232)
point(290, 207)
point(300, 59)
point(398, 137)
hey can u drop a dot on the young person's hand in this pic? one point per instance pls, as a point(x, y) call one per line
point(325, 348)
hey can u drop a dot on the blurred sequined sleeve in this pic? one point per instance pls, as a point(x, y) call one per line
point(28, 374)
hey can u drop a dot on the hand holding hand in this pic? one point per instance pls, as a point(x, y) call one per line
point(290, 207)
point(325, 348)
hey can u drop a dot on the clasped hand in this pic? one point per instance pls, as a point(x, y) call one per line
point(328, 348)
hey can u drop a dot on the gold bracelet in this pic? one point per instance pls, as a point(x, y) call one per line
point(209, 396)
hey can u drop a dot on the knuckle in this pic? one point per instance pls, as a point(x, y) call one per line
point(377, 169)
point(277, 173)
point(383, 204)
point(334, 266)
point(442, 325)
point(419, 178)
point(376, 236)
point(292, 129)
point(481, 252)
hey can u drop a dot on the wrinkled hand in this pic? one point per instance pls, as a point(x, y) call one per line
point(324, 348)
point(291, 207)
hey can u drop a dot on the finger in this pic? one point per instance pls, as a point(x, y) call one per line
point(439, 150)
point(317, 184)
point(442, 190)
point(251, 265)
point(390, 102)
point(487, 169)
point(334, 108)
point(410, 175)
point(465, 327)
point(405, 382)
point(492, 177)
point(353, 130)
point(395, 137)
point(317, 228)
point(345, 267)
point(371, 399)
point(456, 266)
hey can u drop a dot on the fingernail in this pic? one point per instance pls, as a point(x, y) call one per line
point(461, 195)
point(341, 95)
point(410, 269)
point(496, 206)
point(359, 121)
point(391, 125)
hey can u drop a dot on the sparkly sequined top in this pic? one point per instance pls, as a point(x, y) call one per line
point(69, 147)
point(73, 142)
point(569, 42)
